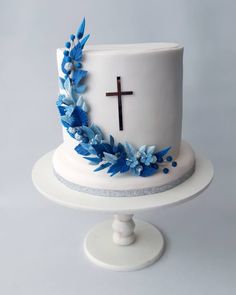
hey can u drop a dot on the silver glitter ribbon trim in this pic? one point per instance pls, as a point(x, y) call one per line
point(125, 193)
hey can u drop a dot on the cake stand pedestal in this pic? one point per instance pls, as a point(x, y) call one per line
point(123, 244)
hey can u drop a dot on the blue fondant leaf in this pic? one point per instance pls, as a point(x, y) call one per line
point(103, 147)
point(81, 150)
point(69, 110)
point(84, 107)
point(76, 53)
point(119, 166)
point(151, 149)
point(84, 40)
point(148, 171)
point(77, 76)
point(67, 100)
point(142, 149)
point(80, 101)
point(61, 83)
point(60, 100)
point(112, 141)
point(61, 110)
point(63, 66)
point(163, 152)
point(95, 160)
point(67, 86)
point(89, 148)
point(80, 30)
point(110, 158)
point(103, 166)
point(114, 169)
point(121, 149)
point(80, 89)
point(96, 130)
point(81, 117)
point(89, 132)
point(124, 168)
point(68, 120)
point(131, 151)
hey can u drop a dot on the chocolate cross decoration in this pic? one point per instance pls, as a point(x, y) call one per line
point(119, 94)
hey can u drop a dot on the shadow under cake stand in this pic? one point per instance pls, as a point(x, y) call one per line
point(123, 244)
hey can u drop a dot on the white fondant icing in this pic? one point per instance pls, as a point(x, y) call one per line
point(73, 168)
point(153, 71)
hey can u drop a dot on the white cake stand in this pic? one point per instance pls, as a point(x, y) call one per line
point(121, 244)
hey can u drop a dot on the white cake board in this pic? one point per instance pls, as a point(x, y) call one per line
point(124, 247)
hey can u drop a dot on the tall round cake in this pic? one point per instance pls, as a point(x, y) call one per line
point(121, 109)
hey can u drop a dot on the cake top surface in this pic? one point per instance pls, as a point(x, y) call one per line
point(133, 48)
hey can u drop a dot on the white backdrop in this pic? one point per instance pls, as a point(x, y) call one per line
point(41, 243)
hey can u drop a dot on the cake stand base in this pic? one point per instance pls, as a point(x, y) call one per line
point(124, 244)
point(145, 250)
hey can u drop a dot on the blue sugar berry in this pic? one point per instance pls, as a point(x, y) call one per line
point(165, 170)
point(72, 37)
point(169, 158)
point(66, 52)
point(174, 164)
point(67, 44)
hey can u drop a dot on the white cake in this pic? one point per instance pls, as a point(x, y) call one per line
point(152, 115)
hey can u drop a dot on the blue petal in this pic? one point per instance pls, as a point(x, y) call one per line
point(80, 89)
point(130, 150)
point(101, 167)
point(80, 30)
point(96, 130)
point(119, 166)
point(76, 53)
point(110, 158)
point(112, 141)
point(89, 148)
point(84, 40)
point(82, 151)
point(61, 110)
point(93, 160)
point(69, 110)
point(163, 152)
point(148, 171)
point(64, 61)
point(151, 149)
point(67, 85)
point(81, 117)
point(89, 132)
point(142, 149)
point(77, 76)
point(61, 82)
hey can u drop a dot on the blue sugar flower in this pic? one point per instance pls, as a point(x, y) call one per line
point(132, 162)
point(147, 156)
point(148, 159)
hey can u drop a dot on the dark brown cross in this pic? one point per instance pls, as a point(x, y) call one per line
point(119, 94)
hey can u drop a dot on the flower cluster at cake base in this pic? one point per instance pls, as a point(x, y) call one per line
point(116, 157)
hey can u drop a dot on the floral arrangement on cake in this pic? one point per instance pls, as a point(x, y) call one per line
point(92, 145)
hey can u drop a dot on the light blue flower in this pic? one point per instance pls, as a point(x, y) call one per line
point(132, 162)
point(147, 156)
